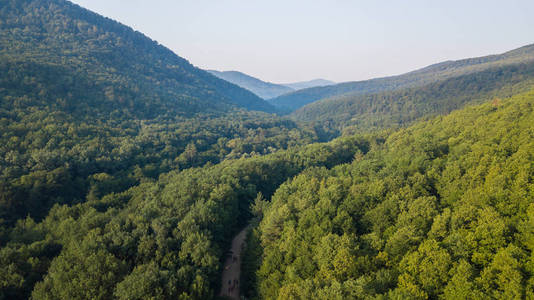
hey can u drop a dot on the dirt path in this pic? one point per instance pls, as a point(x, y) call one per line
point(232, 267)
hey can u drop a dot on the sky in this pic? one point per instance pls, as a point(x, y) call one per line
point(341, 40)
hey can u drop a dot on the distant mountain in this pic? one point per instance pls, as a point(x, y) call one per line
point(433, 73)
point(309, 84)
point(265, 90)
point(360, 113)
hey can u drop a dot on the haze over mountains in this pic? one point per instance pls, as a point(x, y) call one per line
point(125, 172)
point(266, 90)
point(309, 84)
point(290, 97)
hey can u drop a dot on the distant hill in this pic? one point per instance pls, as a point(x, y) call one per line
point(265, 90)
point(309, 84)
point(360, 113)
point(433, 73)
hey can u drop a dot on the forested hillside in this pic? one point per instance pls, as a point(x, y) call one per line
point(162, 239)
point(440, 208)
point(363, 113)
point(443, 209)
point(265, 90)
point(91, 114)
point(430, 74)
point(89, 107)
point(131, 68)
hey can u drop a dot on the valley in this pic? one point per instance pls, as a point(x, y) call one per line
point(126, 172)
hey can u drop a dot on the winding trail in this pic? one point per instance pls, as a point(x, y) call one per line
point(232, 267)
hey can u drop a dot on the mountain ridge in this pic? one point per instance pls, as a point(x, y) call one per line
point(361, 113)
point(82, 95)
point(64, 33)
point(263, 89)
point(419, 77)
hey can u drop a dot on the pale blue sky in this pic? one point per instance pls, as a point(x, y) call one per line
point(340, 40)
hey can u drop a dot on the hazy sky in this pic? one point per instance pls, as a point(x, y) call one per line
point(340, 40)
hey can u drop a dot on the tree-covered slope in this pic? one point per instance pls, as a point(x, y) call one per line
point(91, 115)
point(265, 90)
point(441, 210)
point(127, 65)
point(125, 171)
point(162, 239)
point(357, 230)
point(433, 73)
point(89, 107)
point(358, 113)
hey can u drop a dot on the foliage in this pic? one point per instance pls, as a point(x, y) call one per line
point(442, 209)
point(89, 107)
point(125, 171)
point(160, 239)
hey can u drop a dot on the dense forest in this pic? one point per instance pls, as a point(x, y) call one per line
point(80, 119)
point(168, 234)
point(434, 73)
point(443, 209)
point(125, 172)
